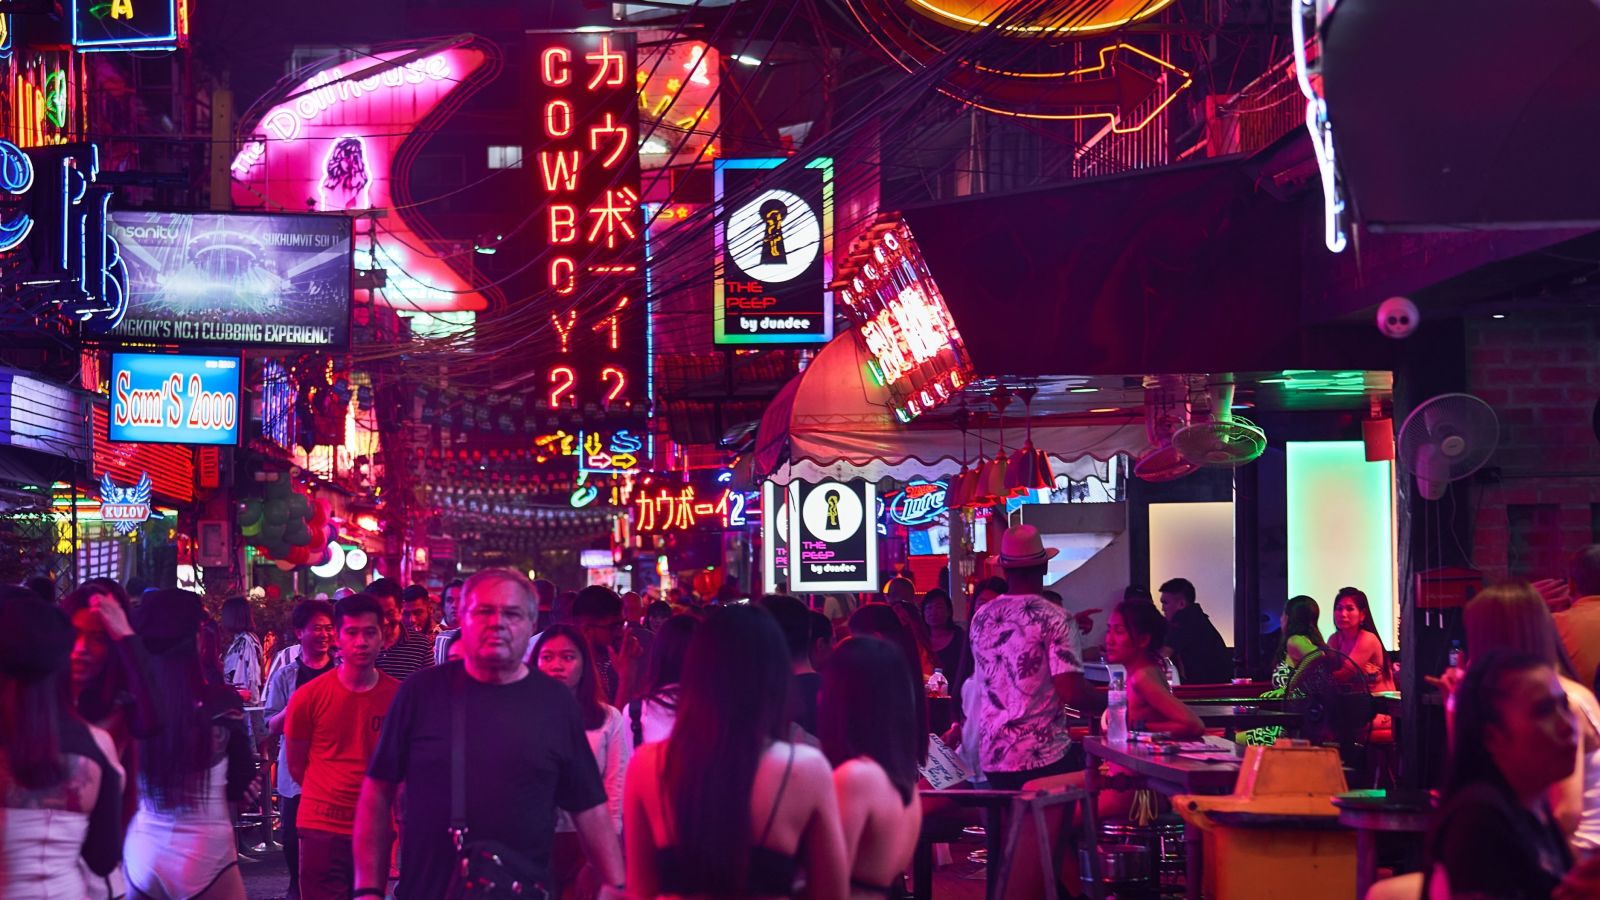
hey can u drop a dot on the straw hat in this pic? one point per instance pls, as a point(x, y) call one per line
point(1021, 547)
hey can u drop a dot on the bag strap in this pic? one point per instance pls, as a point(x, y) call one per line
point(458, 761)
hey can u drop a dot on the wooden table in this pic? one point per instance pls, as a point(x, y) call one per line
point(994, 805)
point(1166, 775)
point(1250, 715)
point(1372, 812)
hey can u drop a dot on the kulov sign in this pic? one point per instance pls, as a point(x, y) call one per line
point(833, 539)
point(127, 507)
point(174, 399)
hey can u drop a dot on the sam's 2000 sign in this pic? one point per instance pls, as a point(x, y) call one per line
point(174, 399)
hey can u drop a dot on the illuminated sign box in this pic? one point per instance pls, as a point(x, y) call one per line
point(889, 294)
point(833, 536)
point(124, 24)
point(174, 399)
point(253, 280)
point(774, 259)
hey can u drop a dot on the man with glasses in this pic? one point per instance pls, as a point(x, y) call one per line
point(598, 614)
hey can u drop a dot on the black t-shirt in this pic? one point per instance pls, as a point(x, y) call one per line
point(1200, 650)
point(1491, 846)
point(304, 673)
point(526, 755)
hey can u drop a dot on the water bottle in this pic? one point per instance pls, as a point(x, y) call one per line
point(1117, 711)
point(938, 685)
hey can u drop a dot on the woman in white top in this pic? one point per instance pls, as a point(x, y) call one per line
point(867, 715)
point(651, 716)
point(242, 658)
point(60, 793)
point(563, 653)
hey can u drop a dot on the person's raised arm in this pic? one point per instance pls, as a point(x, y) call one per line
point(619, 751)
point(1168, 713)
point(600, 844)
point(643, 879)
point(372, 839)
point(822, 842)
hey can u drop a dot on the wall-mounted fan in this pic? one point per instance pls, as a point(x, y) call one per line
point(1166, 412)
point(1224, 440)
point(1446, 439)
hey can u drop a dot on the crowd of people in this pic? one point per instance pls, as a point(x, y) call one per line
point(589, 744)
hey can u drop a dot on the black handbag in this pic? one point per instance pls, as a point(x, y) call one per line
point(485, 870)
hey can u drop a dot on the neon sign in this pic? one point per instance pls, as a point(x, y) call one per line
point(124, 25)
point(127, 507)
point(74, 263)
point(917, 353)
point(1335, 235)
point(585, 123)
point(339, 143)
point(42, 90)
point(921, 503)
point(16, 179)
point(678, 87)
point(683, 510)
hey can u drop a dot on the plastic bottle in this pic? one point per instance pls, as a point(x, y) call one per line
point(1117, 711)
point(938, 685)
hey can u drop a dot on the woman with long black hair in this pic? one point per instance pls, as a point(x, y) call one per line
point(563, 653)
point(868, 719)
point(1356, 636)
point(242, 657)
point(728, 806)
point(59, 787)
point(652, 715)
point(181, 842)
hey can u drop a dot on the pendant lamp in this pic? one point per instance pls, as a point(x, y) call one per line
point(1029, 469)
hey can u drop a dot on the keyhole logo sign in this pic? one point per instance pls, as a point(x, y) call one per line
point(832, 514)
point(774, 238)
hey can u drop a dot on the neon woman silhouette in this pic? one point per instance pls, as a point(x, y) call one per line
point(773, 213)
point(832, 498)
point(345, 181)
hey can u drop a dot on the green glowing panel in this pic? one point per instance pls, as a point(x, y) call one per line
point(1341, 528)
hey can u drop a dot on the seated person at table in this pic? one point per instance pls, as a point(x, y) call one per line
point(1356, 636)
point(1299, 639)
point(1134, 633)
point(1494, 835)
point(1203, 656)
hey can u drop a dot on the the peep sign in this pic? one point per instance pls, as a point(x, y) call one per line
point(774, 237)
point(833, 544)
point(919, 504)
point(174, 399)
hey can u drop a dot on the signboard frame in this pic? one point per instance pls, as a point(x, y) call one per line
point(866, 492)
point(118, 434)
point(723, 260)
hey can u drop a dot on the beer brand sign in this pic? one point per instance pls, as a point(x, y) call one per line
point(919, 504)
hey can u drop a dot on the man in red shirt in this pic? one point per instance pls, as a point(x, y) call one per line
point(332, 728)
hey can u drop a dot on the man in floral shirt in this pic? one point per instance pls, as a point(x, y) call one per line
point(1026, 650)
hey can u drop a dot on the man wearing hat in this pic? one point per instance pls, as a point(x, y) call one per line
point(1026, 650)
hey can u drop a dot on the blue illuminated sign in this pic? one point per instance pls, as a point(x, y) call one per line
point(124, 24)
point(919, 504)
point(174, 399)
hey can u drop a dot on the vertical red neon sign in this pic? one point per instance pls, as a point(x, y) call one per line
point(584, 124)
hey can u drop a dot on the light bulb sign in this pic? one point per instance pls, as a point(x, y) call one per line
point(916, 351)
point(921, 503)
point(259, 280)
point(774, 260)
point(833, 537)
point(174, 399)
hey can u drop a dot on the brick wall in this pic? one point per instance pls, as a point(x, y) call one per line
point(1541, 373)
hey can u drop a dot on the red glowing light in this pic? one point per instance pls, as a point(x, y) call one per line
point(612, 373)
point(563, 223)
point(623, 139)
point(562, 378)
point(563, 275)
point(565, 331)
point(369, 523)
point(560, 170)
point(555, 66)
point(557, 121)
point(610, 67)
